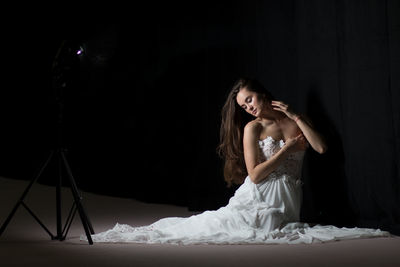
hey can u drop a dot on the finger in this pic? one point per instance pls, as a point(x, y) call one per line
point(280, 105)
point(302, 140)
point(278, 109)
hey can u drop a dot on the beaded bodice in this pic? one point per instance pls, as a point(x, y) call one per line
point(290, 168)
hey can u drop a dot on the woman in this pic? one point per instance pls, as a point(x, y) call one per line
point(263, 154)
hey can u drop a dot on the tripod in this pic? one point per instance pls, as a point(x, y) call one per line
point(59, 153)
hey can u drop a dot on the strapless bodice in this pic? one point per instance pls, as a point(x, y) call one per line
point(292, 166)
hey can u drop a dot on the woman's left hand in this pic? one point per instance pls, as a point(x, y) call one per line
point(280, 106)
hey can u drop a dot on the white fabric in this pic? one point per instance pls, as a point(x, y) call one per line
point(262, 213)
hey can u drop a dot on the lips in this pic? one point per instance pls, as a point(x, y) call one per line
point(254, 112)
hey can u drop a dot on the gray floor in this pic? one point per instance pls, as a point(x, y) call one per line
point(25, 243)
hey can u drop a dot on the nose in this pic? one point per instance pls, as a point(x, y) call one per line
point(251, 107)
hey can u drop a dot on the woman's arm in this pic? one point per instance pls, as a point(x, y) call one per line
point(259, 171)
point(316, 141)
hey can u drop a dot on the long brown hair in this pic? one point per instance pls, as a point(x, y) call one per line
point(234, 118)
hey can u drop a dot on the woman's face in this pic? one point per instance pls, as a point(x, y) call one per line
point(251, 102)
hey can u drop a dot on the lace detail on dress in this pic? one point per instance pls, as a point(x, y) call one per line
point(290, 169)
point(124, 228)
point(119, 232)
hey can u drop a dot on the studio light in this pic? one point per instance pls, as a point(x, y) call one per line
point(80, 50)
point(64, 63)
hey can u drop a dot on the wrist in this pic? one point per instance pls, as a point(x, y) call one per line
point(297, 118)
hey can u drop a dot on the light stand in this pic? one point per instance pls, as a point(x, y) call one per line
point(58, 152)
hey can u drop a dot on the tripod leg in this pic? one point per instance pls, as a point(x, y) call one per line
point(21, 199)
point(58, 195)
point(69, 172)
point(84, 218)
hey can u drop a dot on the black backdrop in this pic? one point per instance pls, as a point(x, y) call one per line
point(142, 105)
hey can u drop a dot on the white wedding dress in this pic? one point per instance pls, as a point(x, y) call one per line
point(264, 213)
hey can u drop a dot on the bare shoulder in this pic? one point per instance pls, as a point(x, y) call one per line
point(253, 128)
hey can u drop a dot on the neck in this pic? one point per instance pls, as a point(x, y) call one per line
point(273, 115)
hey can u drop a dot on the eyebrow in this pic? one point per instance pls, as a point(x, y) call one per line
point(245, 100)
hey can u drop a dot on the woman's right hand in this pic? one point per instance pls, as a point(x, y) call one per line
point(295, 144)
